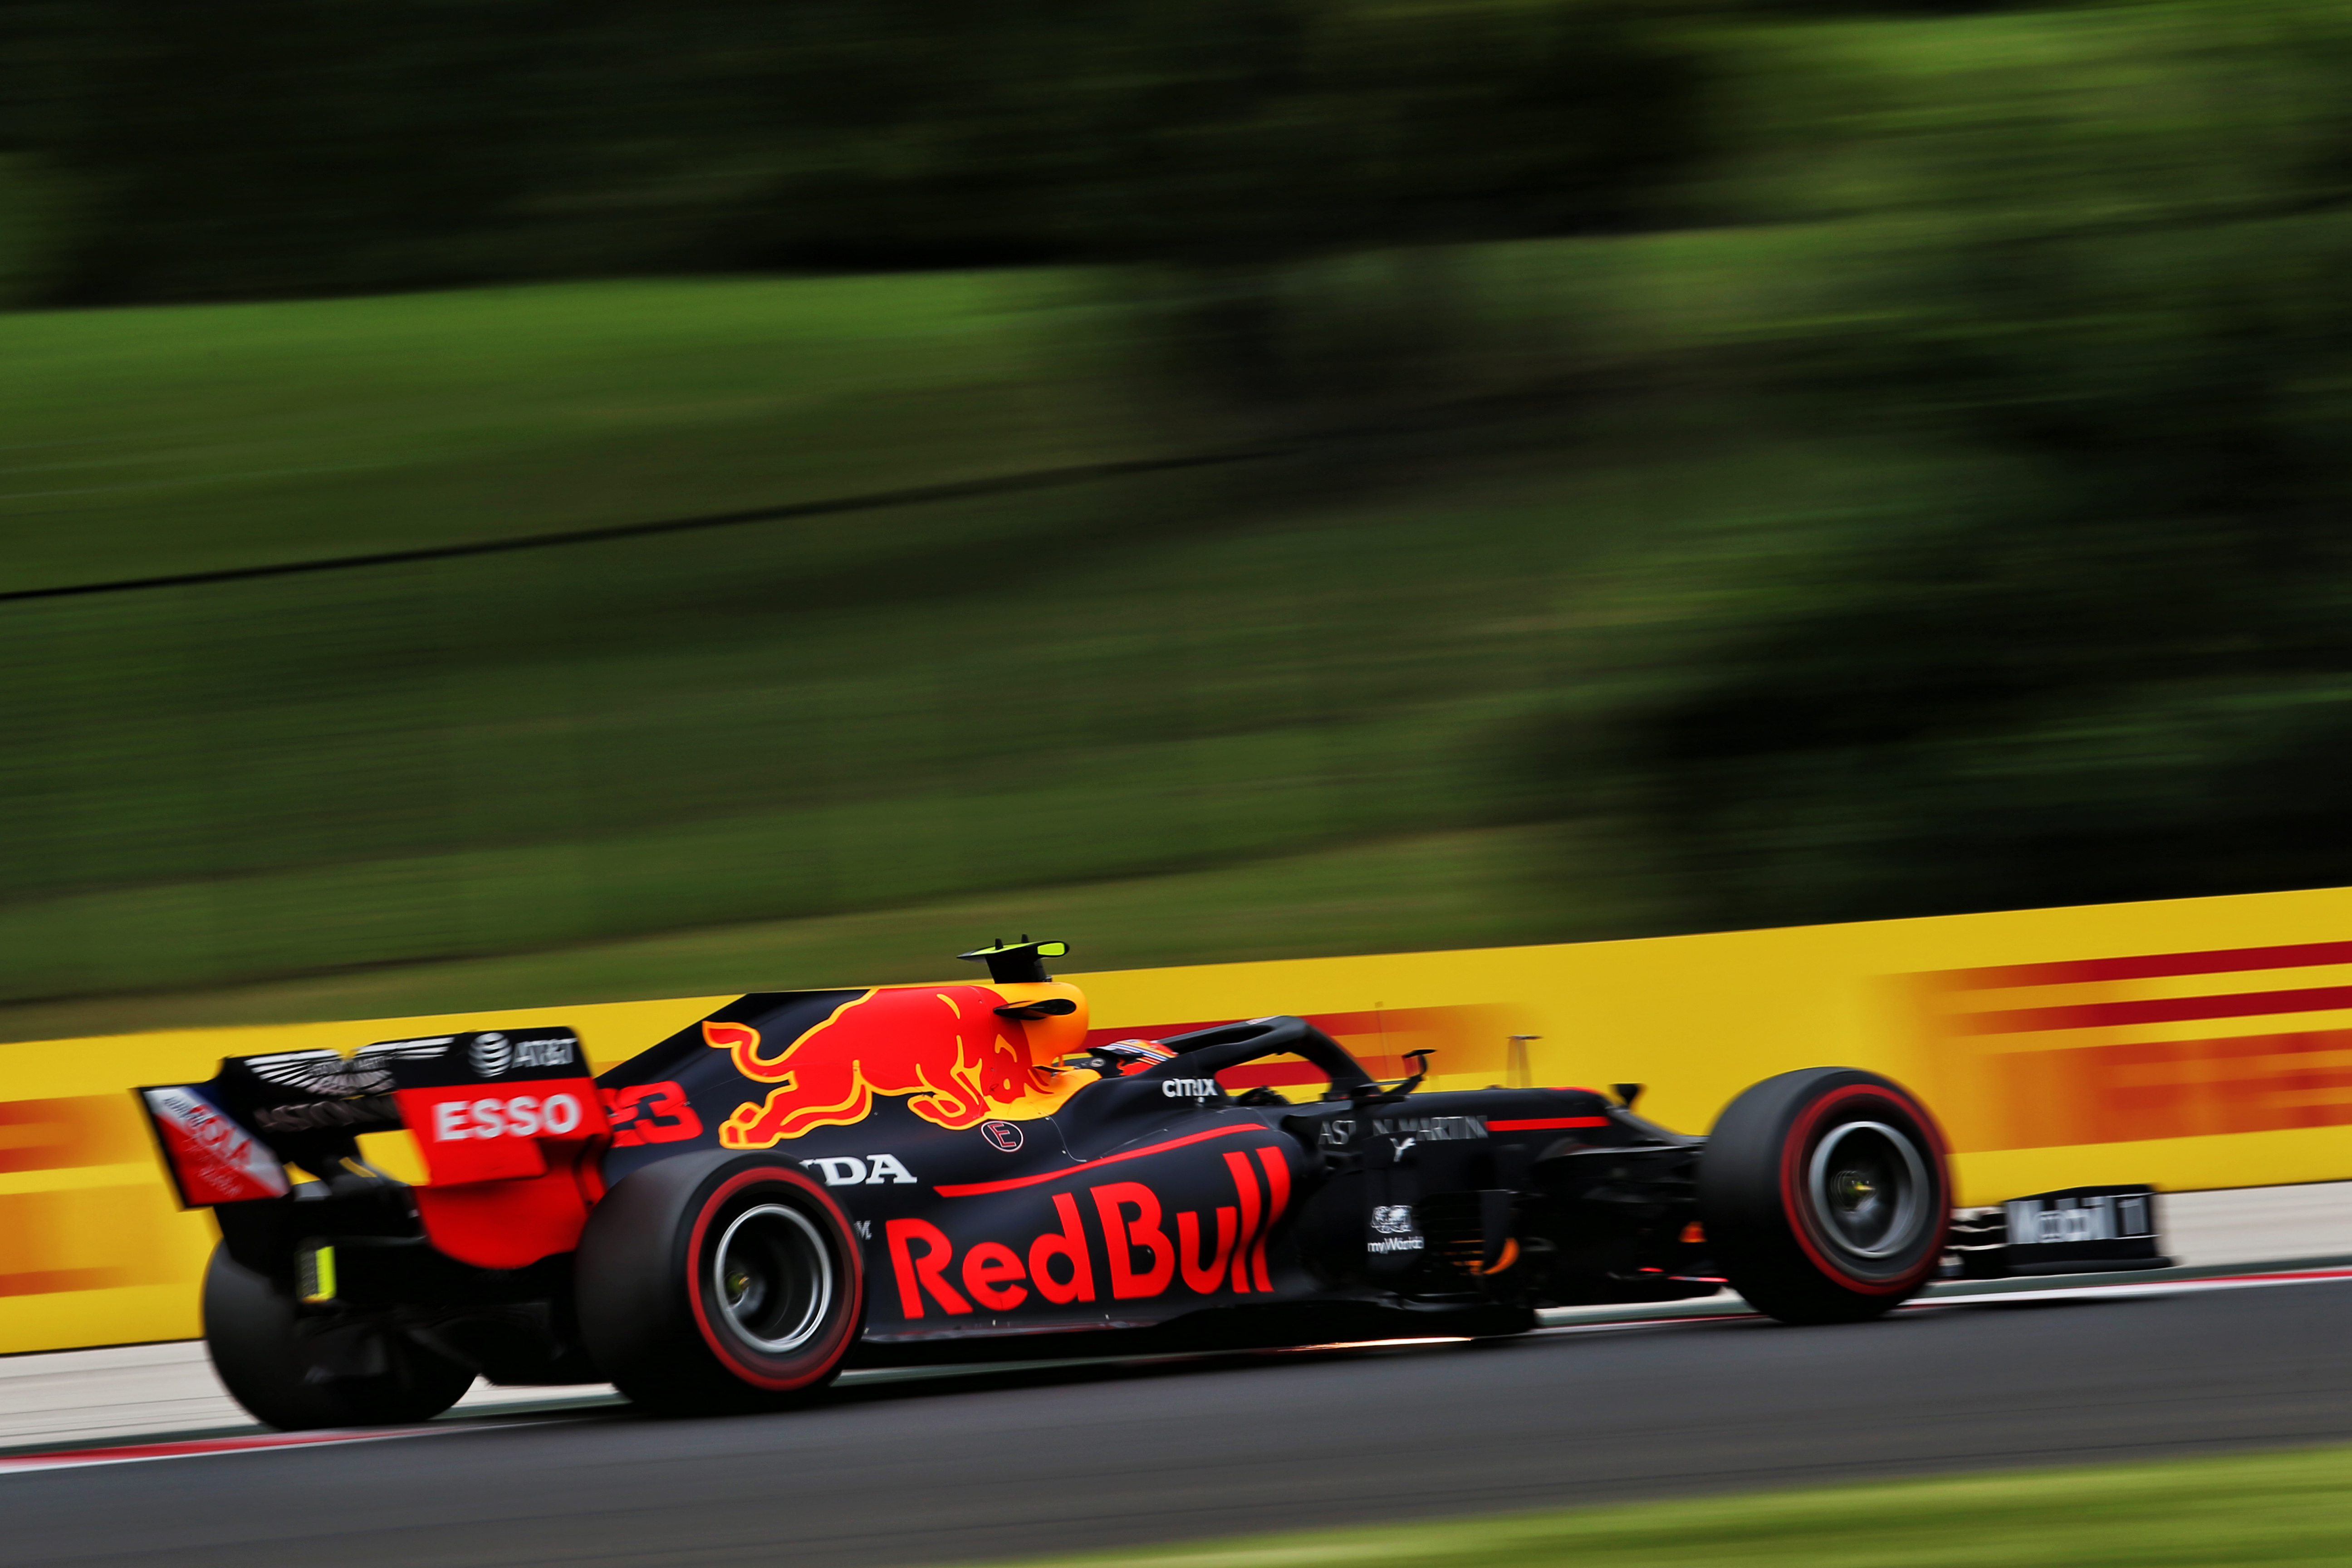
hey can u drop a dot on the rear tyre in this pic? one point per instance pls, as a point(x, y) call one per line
point(719, 1283)
point(1825, 1194)
point(269, 1357)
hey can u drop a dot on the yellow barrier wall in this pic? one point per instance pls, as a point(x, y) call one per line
point(2197, 1043)
point(94, 1250)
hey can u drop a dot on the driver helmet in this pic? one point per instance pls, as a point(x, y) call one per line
point(1135, 1054)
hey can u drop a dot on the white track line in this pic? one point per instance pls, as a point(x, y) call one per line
point(2147, 1288)
point(201, 1448)
point(262, 1442)
point(1731, 1313)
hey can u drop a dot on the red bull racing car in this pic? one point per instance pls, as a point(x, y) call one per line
point(811, 1180)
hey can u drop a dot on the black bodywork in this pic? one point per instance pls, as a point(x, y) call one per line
point(1152, 1208)
point(1085, 1209)
point(1372, 1197)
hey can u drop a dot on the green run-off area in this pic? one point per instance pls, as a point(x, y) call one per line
point(1337, 645)
point(2286, 1508)
point(1928, 500)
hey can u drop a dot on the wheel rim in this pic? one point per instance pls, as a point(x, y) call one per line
point(1869, 1189)
point(771, 1279)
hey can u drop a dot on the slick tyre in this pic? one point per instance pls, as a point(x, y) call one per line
point(1825, 1194)
point(718, 1282)
point(274, 1359)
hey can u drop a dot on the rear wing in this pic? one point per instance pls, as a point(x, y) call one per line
point(502, 1117)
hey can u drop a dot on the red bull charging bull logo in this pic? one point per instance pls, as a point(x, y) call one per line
point(942, 1048)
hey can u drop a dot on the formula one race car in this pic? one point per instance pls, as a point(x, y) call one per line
point(809, 1180)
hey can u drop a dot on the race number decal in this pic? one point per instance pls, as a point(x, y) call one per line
point(650, 1113)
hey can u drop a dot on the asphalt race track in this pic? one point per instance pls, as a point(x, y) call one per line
point(1013, 1464)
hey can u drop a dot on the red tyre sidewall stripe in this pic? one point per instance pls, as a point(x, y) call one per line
point(714, 1338)
point(1800, 1142)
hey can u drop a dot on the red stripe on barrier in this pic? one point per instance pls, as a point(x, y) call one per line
point(2159, 1010)
point(1273, 1075)
point(2155, 965)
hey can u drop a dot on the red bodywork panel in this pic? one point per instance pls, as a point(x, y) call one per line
point(510, 1172)
point(213, 1159)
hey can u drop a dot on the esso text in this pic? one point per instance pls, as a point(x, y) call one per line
point(517, 1116)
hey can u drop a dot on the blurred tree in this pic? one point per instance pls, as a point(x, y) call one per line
point(1354, 126)
point(260, 147)
point(2119, 664)
point(271, 147)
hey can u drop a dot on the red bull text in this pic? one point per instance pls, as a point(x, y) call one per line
point(1144, 1255)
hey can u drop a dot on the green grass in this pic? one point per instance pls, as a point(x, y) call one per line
point(2277, 1507)
point(1481, 888)
point(174, 439)
point(1279, 708)
point(959, 707)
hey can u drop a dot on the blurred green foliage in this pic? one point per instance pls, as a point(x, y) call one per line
point(2267, 1509)
point(265, 147)
point(34, 220)
point(1712, 466)
point(1109, 679)
point(2114, 663)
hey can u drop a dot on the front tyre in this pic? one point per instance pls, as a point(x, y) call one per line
point(280, 1363)
point(718, 1282)
point(1825, 1194)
